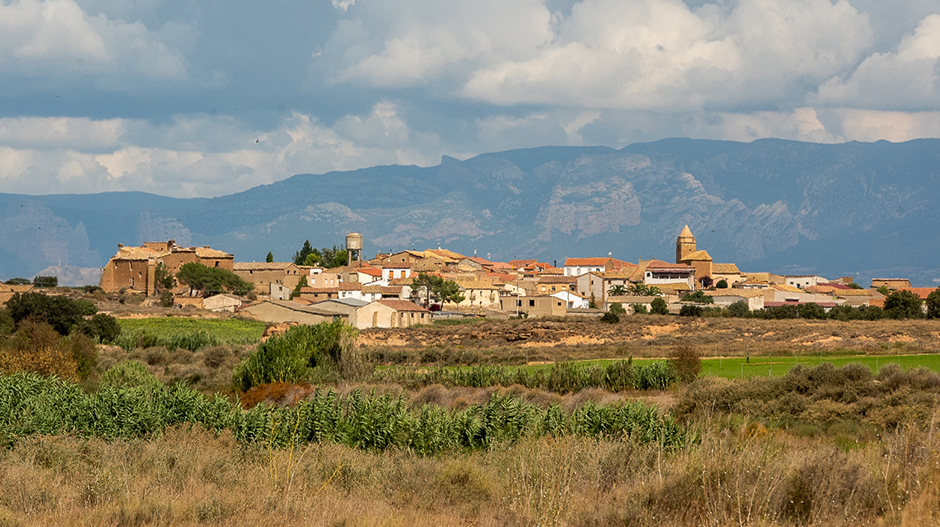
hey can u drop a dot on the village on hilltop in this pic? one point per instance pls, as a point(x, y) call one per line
point(410, 287)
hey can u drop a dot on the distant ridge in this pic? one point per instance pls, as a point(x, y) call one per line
point(775, 205)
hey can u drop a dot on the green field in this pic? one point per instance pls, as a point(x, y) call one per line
point(737, 367)
point(226, 331)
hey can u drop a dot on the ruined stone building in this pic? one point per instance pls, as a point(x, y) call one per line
point(132, 268)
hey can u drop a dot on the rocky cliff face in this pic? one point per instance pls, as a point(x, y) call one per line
point(773, 205)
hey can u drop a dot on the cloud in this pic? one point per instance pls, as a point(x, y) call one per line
point(57, 39)
point(198, 155)
point(907, 79)
point(611, 54)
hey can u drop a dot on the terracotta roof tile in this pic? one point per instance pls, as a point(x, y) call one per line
point(401, 305)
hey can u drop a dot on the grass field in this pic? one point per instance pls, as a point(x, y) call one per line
point(226, 331)
point(774, 366)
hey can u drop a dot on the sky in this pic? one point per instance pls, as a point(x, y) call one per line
point(202, 98)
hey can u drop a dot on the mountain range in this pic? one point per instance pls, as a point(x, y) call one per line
point(856, 209)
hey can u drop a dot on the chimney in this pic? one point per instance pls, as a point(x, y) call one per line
point(120, 246)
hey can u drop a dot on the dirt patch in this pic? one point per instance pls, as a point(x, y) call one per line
point(651, 332)
point(900, 338)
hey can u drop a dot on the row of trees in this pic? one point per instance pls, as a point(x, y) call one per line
point(325, 257)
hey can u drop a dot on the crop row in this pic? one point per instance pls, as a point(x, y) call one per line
point(30, 404)
point(563, 377)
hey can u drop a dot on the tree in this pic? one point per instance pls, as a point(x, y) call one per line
point(269, 258)
point(639, 290)
point(884, 290)
point(211, 280)
point(903, 304)
point(46, 281)
point(690, 310)
point(698, 297)
point(300, 285)
point(812, 310)
point(592, 303)
point(18, 281)
point(706, 281)
point(722, 284)
point(933, 304)
point(162, 277)
point(301, 256)
point(658, 307)
point(617, 290)
point(435, 288)
point(640, 309)
point(58, 311)
point(610, 318)
point(617, 308)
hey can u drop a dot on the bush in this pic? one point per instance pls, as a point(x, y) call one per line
point(130, 373)
point(722, 284)
point(299, 354)
point(617, 309)
point(640, 309)
point(812, 311)
point(658, 307)
point(46, 281)
point(686, 362)
point(101, 327)
point(698, 297)
point(690, 310)
point(903, 304)
point(39, 348)
point(610, 318)
point(166, 299)
point(739, 309)
point(58, 311)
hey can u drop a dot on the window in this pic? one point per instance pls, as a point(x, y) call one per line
point(531, 303)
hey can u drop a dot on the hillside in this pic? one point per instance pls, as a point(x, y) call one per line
point(774, 205)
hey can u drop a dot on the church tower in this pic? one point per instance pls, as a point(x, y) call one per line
point(685, 244)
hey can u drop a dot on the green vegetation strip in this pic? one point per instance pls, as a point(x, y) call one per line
point(739, 367)
point(189, 333)
point(30, 404)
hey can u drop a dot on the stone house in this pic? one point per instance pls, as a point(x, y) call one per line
point(658, 272)
point(278, 312)
point(263, 274)
point(132, 268)
point(534, 306)
point(222, 302)
point(390, 314)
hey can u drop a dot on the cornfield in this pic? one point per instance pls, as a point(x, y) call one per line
point(30, 404)
point(564, 377)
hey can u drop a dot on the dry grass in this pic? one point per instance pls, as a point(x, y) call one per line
point(642, 336)
point(743, 475)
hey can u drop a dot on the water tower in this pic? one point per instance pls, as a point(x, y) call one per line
point(353, 248)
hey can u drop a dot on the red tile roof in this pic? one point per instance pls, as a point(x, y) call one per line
point(401, 305)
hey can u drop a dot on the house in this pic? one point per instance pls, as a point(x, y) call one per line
point(658, 273)
point(279, 292)
point(343, 306)
point(220, 303)
point(534, 306)
point(279, 311)
point(548, 285)
point(133, 268)
point(802, 281)
point(728, 272)
point(579, 266)
point(263, 274)
point(725, 297)
point(573, 300)
point(316, 294)
point(396, 270)
point(478, 295)
point(706, 271)
point(390, 314)
point(599, 284)
point(893, 284)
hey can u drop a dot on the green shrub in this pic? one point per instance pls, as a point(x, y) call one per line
point(640, 309)
point(610, 318)
point(58, 311)
point(658, 307)
point(698, 297)
point(617, 308)
point(101, 327)
point(739, 309)
point(686, 362)
point(689, 310)
point(299, 354)
point(722, 284)
point(131, 374)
